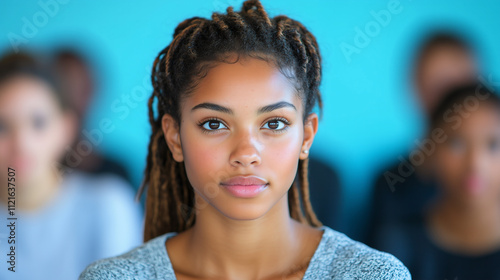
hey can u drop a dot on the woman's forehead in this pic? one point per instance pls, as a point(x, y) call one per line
point(25, 94)
point(248, 82)
point(483, 121)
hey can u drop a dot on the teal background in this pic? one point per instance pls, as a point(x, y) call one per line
point(370, 116)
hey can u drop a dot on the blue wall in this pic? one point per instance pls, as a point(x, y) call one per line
point(370, 115)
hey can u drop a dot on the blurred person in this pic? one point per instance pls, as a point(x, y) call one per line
point(64, 219)
point(78, 83)
point(458, 234)
point(324, 183)
point(444, 60)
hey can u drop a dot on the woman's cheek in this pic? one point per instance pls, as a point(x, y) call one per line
point(4, 155)
point(203, 162)
point(282, 156)
point(450, 180)
point(494, 175)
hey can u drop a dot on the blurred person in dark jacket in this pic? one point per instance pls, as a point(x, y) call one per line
point(403, 189)
point(78, 83)
point(458, 235)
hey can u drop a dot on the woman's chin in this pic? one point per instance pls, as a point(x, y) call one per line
point(244, 211)
point(244, 208)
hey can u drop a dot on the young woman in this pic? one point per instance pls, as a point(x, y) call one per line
point(227, 165)
point(64, 219)
point(458, 236)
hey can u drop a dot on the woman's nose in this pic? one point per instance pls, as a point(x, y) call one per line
point(246, 151)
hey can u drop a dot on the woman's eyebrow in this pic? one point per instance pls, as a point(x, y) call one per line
point(265, 109)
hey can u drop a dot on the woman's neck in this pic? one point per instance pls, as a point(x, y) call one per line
point(33, 194)
point(471, 230)
point(265, 247)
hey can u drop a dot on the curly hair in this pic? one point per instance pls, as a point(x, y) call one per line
point(198, 44)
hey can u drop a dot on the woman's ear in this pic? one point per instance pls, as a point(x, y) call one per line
point(171, 133)
point(310, 129)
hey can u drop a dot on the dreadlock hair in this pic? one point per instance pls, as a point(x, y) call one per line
point(197, 44)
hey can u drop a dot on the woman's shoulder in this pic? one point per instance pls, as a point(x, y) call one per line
point(347, 258)
point(147, 261)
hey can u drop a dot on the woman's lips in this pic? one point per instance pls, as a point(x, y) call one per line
point(245, 186)
point(245, 191)
point(474, 184)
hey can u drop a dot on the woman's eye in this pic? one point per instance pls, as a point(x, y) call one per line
point(275, 125)
point(456, 144)
point(213, 125)
point(39, 122)
point(494, 145)
point(3, 128)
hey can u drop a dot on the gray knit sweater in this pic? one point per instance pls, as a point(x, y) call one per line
point(337, 257)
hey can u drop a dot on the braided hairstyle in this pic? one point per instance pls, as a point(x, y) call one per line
point(198, 43)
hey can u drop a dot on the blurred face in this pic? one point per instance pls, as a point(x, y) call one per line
point(77, 83)
point(442, 68)
point(32, 129)
point(241, 137)
point(469, 161)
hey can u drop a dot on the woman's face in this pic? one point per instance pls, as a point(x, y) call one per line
point(243, 119)
point(469, 160)
point(443, 67)
point(32, 128)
